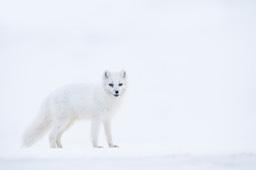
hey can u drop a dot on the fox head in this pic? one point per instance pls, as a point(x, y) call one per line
point(115, 82)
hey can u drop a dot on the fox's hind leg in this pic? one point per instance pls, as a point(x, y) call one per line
point(58, 141)
point(56, 133)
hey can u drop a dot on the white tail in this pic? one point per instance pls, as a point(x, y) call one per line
point(36, 130)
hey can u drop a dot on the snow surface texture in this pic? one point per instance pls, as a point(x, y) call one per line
point(191, 70)
point(123, 159)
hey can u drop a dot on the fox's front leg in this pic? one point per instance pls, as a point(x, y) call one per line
point(95, 129)
point(107, 128)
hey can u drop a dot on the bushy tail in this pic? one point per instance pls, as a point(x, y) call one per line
point(36, 130)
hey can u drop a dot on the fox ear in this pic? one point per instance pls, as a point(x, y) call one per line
point(123, 73)
point(106, 74)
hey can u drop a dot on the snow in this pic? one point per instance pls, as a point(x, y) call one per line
point(123, 159)
point(191, 70)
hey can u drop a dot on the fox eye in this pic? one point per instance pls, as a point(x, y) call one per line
point(111, 84)
point(120, 84)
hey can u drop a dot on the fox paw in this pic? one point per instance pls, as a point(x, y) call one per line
point(113, 146)
point(98, 147)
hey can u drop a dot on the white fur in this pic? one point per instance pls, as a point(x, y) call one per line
point(67, 104)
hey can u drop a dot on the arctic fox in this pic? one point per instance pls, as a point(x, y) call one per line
point(67, 104)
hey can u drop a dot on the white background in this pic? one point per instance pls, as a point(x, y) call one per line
point(190, 65)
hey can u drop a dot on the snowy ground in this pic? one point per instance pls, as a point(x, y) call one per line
point(123, 159)
point(191, 71)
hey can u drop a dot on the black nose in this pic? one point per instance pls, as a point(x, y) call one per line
point(116, 92)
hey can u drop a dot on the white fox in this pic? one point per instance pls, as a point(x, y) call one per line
point(67, 104)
